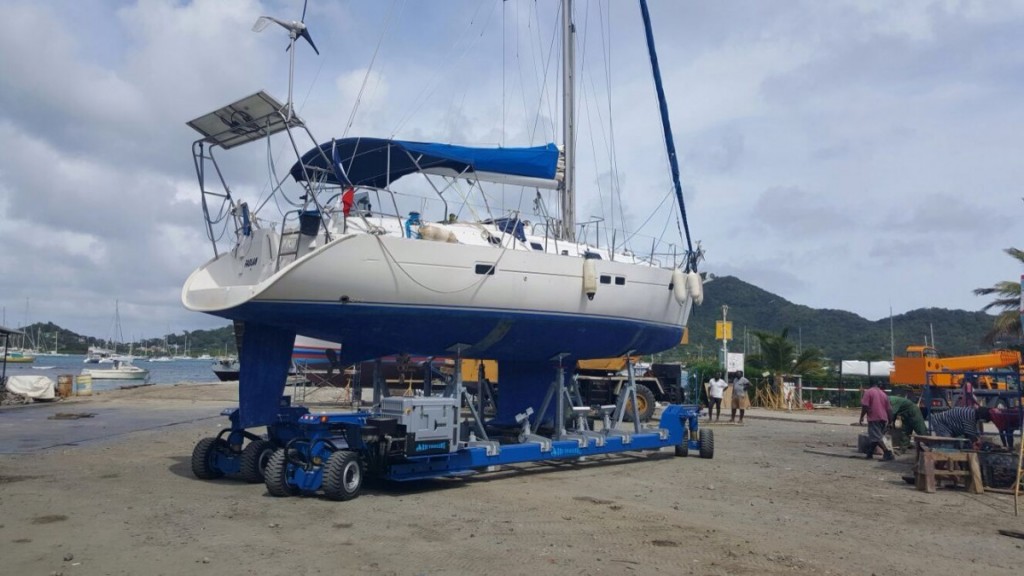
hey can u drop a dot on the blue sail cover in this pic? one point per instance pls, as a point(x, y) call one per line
point(377, 162)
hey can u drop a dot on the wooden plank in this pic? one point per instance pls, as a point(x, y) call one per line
point(929, 472)
point(976, 486)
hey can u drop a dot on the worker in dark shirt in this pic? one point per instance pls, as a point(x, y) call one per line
point(909, 414)
point(958, 422)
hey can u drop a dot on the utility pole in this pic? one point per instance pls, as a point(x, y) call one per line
point(725, 341)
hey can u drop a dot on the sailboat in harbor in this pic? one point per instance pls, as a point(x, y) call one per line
point(109, 364)
point(56, 347)
point(348, 265)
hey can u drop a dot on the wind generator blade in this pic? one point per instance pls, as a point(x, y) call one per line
point(261, 24)
point(305, 34)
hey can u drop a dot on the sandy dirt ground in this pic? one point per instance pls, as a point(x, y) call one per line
point(783, 495)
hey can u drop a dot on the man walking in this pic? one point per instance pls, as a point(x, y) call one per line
point(740, 401)
point(875, 405)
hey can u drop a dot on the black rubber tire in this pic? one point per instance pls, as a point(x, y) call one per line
point(343, 476)
point(275, 476)
point(204, 456)
point(644, 404)
point(254, 460)
point(683, 450)
point(707, 443)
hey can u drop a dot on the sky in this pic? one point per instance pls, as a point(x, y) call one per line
point(852, 155)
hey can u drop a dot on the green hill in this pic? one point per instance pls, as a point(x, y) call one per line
point(840, 335)
point(44, 335)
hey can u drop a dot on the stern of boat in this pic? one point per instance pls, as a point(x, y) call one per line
point(234, 277)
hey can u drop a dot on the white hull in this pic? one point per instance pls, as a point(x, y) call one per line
point(390, 272)
point(402, 271)
point(123, 373)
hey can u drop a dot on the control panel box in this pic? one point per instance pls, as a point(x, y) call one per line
point(430, 422)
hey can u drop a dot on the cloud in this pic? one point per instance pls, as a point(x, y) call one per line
point(837, 153)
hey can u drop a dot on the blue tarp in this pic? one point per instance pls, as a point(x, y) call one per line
point(377, 162)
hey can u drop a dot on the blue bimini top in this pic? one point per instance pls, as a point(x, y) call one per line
point(377, 162)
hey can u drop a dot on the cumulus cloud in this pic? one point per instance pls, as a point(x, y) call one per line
point(824, 145)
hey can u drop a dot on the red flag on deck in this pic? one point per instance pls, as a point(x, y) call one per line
point(347, 200)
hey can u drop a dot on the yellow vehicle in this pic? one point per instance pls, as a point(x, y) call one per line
point(601, 380)
point(922, 365)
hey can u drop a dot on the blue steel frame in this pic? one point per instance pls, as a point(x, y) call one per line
point(320, 435)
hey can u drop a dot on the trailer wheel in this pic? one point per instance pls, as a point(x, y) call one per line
point(343, 478)
point(204, 458)
point(644, 404)
point(683, 449)
point(254, 460)
point(707, 443)
point(275, 476)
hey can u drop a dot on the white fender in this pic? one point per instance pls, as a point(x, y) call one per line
point(679, 286)
point(437, 233)
point(695, 287)
point(589, 278)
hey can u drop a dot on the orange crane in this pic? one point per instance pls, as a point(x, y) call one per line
point(922, 365)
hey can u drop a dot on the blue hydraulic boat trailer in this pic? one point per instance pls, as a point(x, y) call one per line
point(334, 452)
point(427, 436)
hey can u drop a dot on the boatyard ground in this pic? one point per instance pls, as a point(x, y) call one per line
point(106, 488)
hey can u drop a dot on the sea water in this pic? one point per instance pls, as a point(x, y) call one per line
point(160, 373)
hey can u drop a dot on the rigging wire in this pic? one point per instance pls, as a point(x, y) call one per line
point(474, 284)
point(388, 20)
point(436, 79)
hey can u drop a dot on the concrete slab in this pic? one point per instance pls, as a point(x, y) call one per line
point(36, 428)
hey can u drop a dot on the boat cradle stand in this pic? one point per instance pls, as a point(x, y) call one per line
point(412, 438)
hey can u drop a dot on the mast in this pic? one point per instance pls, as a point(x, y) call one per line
point(670, 144)
point(568, 199)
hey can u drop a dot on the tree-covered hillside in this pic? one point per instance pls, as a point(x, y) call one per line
point(840, 335)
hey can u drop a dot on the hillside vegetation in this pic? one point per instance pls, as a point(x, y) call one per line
point(839, 334)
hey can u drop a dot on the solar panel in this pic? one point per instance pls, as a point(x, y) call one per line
point(251, 118)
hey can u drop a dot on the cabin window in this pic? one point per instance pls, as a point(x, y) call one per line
point(605, 279)
point(537, 246)
point(620, 280)
point(565, 252)
point(487, 269)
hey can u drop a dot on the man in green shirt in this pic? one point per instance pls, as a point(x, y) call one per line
point(908, 413)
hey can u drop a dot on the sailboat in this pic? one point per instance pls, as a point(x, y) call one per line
point(19, 357)
point(120, 365)
point(56, 348)
point(349, 266)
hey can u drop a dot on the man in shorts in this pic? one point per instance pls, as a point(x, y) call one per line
point(740, 401)
point(716, 388)
point(875, 405)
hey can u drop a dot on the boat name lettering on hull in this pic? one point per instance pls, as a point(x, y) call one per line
point(250, 262)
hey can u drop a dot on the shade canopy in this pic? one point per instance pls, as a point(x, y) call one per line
point(377, 162)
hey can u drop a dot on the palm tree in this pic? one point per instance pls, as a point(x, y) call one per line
point(779, 357)
point(1007, 302)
